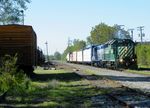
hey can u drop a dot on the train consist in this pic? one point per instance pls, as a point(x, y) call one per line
point(116, 53)
point(20, 40)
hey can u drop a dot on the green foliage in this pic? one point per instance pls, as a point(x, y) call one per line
point(76, 46)
point(51, 57)
point(101, 33)
point(57, 56)
point(10, 77)
point(10, 10)
point(143, 52)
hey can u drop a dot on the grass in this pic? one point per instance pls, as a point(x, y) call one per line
point(143, 66)
point(139, 72)
point(41, 71)
point(89, 72)
point(65, 90)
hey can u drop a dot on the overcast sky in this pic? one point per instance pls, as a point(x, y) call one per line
point(56, 20)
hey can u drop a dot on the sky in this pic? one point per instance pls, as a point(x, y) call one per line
point(55, 21)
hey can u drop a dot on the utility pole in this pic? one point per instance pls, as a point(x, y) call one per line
point(22, 16)
point(131, 33)
point(46, 43)
point(69, 42)
point(141, 28)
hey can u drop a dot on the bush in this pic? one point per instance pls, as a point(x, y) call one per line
point(143, 52)
point(11, 78)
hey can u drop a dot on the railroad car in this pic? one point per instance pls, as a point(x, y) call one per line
point(69, 57)
point(80, 56)
point(87, 55)
point(83, 56)
point(20, 40)
point(117, 53)
point(40, 57)
point(74, 57)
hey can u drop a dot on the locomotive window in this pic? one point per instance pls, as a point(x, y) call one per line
point(125, 43)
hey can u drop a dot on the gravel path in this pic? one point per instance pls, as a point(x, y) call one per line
point(127, 79)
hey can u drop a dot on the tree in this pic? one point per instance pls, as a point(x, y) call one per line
point(101, 33)
point(57, 55)
point(89, 40)
point(11, 11)
point(51, 57)
point(78, 44)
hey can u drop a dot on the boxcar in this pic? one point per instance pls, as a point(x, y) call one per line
point(79, 56)
point(88, 55)
point(74, 57)
point(20, 40)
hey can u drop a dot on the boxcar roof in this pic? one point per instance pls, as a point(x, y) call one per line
point(15, 28)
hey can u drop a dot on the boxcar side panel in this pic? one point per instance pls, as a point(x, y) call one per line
point(21, 40)
point(79, 56)
point(74, 56)
point(87, 55)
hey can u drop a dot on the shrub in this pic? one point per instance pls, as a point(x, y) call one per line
point(11, 78)
point(143, 52)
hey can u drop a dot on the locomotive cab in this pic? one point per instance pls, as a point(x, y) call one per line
point(125, 53)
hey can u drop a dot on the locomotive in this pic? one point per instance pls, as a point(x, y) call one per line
point(116, 53)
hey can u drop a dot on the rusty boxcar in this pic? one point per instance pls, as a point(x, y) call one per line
point(20, 39)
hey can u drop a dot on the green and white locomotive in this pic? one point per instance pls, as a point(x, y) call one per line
point(116, 53)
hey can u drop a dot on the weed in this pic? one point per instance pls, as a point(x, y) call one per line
point(53, 84)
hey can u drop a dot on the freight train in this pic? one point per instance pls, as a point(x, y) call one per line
point(20, 40)
point(116, 53)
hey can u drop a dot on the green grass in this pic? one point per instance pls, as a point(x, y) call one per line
point(41, 71)
point(89, 72)
point(139, 72)
point(143, 66)
point(67, 90)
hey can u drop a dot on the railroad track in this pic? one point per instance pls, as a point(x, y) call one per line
point(122, 97)
point(126, 96)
